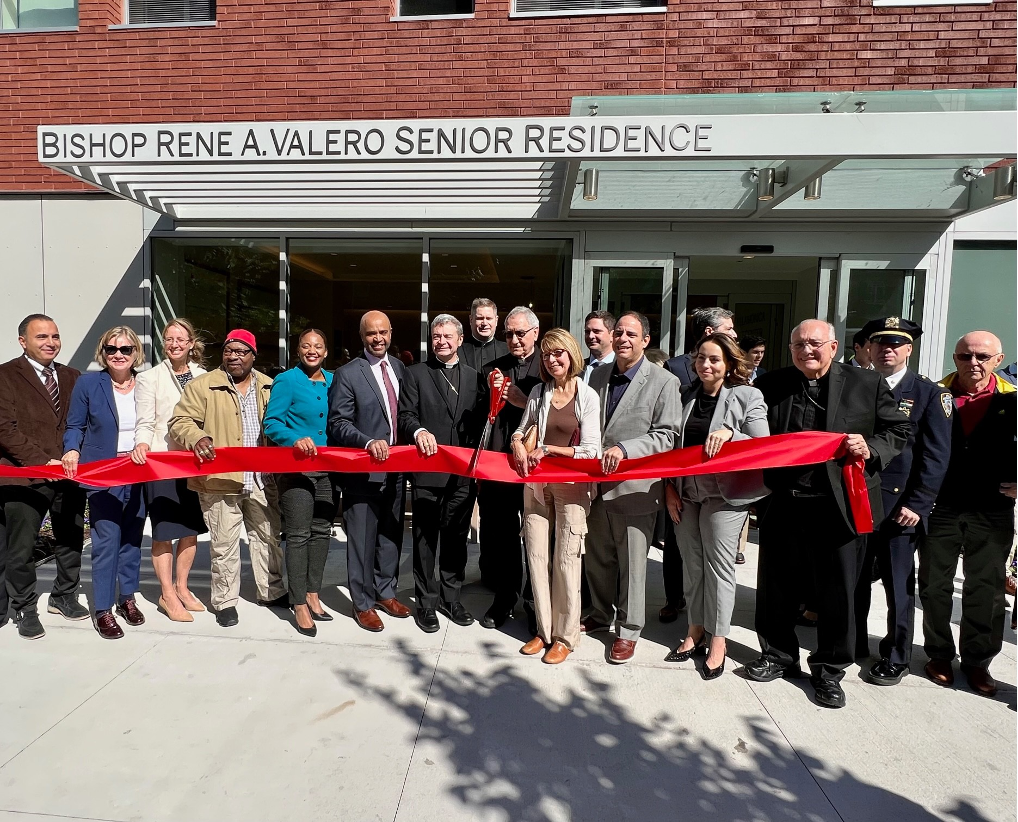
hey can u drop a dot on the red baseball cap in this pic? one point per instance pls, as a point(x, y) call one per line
point(242, 336)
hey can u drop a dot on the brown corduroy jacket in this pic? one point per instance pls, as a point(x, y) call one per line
point(31, 431)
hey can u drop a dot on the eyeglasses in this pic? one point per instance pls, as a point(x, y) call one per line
point(520, 334)
point(558, 353)
point(126, 350)
point(813, 345)
point(236, 352)
point(977, 357)
point(177, 340)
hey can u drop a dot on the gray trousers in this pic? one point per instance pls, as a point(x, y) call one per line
point(616, 567)
point(983, 539)
point(708, 537)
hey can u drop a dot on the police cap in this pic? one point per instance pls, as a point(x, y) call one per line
point(892, 331)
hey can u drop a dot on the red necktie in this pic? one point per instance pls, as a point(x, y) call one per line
point(390, 392)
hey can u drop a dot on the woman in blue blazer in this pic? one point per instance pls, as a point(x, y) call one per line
point(296, 417)
point(100, 425)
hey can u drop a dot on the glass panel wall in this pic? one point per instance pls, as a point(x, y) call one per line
point(874, 293)
point(38, 14)
point(334, 282)
point(218, 284)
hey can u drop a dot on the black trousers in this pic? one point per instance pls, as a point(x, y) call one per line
point(440, 525)
point(671, 567)
point(894, 550)
point(373, 514)
point(24, 507)
point(501, 508)
point(307, 504)
point(792, 529)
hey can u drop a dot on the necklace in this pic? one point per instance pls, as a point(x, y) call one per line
point(124, 386)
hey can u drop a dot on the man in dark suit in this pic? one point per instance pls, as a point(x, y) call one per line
point(35, 392)
point(363, 412)
point(755, 347)
point(973, 518)
point(704, 322)
point(442, 402)
point(908, 486)
point(808, 513)
point(501, 503)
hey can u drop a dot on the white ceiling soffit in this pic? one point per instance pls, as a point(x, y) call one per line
point(531, 168)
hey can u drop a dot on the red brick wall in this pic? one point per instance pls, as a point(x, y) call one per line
point(338, 59)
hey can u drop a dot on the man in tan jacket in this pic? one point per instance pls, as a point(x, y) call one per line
point(225, 408)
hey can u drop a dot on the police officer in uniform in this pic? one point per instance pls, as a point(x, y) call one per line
point(909, 487)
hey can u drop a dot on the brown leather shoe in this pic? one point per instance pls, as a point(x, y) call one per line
point(106, 625)
point(535, 646)
point(394, 608)
point(940, 671)
point(556, 653)
point(369, 620)
point(980, 680)
point(128, 609)
point(622, 651)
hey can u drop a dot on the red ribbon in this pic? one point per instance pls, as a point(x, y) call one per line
point(780, 451)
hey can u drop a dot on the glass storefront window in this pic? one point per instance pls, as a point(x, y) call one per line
point(219, 285)
point(38, 14)
point(884, 292)
point(333, 283)
point(510, 272)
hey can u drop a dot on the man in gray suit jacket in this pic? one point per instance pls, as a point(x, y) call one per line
point(363, 413)
point(640, 411)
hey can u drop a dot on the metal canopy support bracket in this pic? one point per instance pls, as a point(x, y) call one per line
point(568, 185)
point(981, 193)
point(798, 175)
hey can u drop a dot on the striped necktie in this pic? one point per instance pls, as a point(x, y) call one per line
point(52, 388)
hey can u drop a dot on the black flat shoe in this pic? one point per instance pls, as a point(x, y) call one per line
point(495, 617)
point(763, 669)
point(712, 673)
point(456, 613)
point(886, 672)
point(829, 694)
point(682, 656)
point(427, 620)
point(324, 616)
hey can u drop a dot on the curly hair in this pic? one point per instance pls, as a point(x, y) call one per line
point(738, 366)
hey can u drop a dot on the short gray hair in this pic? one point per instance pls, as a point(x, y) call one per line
point(832, 334)
point(526, 313)
point(447, 319)
point(710, 317)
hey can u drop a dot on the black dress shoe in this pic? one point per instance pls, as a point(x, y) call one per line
point(886, 672)
point(457, 613)
point(227, 617)
point(495, 617)
point(829, 694)
point(279, 602)
point(324, 616)
point(67, 606)
point(681, 656)
point(29, 626)
point(763, 669)
point(427, 620)
point(740, 558)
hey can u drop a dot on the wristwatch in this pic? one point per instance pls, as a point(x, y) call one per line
point(545, 449)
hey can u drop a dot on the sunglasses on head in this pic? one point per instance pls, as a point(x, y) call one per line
point(126, 350)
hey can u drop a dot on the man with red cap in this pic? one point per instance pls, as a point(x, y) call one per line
point(225, 408)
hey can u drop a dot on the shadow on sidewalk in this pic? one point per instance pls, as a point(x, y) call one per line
point(506, 750)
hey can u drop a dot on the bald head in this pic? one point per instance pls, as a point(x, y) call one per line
point(976, 356)
point(376, 333)
point(813, 344)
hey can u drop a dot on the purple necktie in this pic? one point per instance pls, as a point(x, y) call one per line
point(51, 388)
point(390, 392)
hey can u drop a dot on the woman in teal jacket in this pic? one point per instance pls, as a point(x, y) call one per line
point(295, 417)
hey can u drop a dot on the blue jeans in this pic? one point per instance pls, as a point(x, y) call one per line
point(117, 518)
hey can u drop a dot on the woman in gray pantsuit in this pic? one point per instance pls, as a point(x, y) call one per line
point(709, 510)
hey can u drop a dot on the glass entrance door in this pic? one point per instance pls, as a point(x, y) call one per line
point(644, 285)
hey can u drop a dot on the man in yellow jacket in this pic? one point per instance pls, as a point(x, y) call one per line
point(225, 408)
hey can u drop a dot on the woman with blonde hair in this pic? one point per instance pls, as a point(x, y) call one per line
point(709, 510)
point(100, 425)
point(172, 506)
point(565, 416)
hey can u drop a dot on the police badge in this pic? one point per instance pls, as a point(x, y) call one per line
point(947, 403)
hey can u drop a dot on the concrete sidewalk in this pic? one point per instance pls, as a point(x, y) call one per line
point(194, 722)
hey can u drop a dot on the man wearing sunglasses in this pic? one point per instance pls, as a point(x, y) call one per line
point(225, 408)
point(973, 517)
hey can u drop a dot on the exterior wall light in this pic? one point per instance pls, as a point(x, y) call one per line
point(766, 179)
point(813, 188)
point(590, 184)
point(1003, 182)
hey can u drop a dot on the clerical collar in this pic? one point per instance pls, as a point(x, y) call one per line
point(525, 360)
point(483, 342)
point(452, 364)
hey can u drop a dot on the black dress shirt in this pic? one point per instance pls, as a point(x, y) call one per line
point(617, 385)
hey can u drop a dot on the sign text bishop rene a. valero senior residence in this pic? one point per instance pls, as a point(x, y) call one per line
point(489, 139)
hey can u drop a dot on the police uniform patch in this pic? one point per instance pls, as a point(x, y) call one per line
point(905, 407)
point(947, 403)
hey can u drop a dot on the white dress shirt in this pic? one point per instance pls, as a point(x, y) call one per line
point(38, 369)
point(894, 379)
point(376, 371)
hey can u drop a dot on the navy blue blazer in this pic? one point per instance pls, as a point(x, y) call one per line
point(92, 421)
point(913, 478)
point(357, 407)
point(682, 367)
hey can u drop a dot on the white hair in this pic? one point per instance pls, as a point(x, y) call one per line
point(832, 334)
point(526, 313)
point(447, 319)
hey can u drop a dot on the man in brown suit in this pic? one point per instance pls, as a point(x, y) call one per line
point(35, 392)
